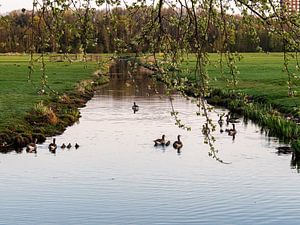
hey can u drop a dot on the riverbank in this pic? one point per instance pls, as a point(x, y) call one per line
point(259, 75)
point(261, 93)
point(26, 115)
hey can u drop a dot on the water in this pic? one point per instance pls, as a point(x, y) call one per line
point(117, 176)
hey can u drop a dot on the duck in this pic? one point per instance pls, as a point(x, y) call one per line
point(31, 147)
point(178, 144)
point(52, 146)
point(231, 132)
point(220, 121)
point(160, 141)
point(284, 150)
point(168, 143)
point(230, 119)
point(76, 145)
point(69, 146)
point(135, 107)
point(63, 146)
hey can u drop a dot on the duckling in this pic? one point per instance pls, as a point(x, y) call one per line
point(52, 146)
point(76, 145)
point(31, 147)
point(63, 146)
point(135, 107)
point(160, 141)
point(69, 146)
point(231, 132)
point(178, 144)
point(168, 143)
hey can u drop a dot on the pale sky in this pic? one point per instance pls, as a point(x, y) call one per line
point(9, 5)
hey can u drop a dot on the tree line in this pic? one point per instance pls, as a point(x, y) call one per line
point(117, 30)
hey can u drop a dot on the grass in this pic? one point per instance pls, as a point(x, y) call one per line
point(261, 75)
point(18, 96)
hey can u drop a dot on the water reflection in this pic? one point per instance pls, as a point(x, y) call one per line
point(124, 83)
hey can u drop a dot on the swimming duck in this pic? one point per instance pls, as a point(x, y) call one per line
point(231, 132)
point(220, 121)
point(76, 145)
point(177, 144)
point(31, 147)
point(135, 107)
point(63, 146)
point(69, 146)
point(230, 119)
point(168, 143)
point(52, 146)
point(160, 141)
point(284, 150)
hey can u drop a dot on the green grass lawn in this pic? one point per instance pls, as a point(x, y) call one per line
point(261, 74)
point(18, 96)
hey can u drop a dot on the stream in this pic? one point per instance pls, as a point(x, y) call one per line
point(117, 176)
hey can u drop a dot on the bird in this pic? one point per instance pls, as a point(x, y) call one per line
point(52, 146)
point(178, 144)
point(135, 107)
point(220, 121)
point(76, 145)
point(284, 150)
point(69, 146)
point(230, 119)
point(31, 147)
point(160, 141)
point(63, 146)
point(232, 131)
point(168, 143)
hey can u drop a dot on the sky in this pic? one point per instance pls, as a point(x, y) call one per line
point(9, 5)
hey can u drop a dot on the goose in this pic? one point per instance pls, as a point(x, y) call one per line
point(220, 121)
point(69, 146)
point(230, 119)
point(284, 150)
point(177, 144)
point(232, 131)
point(31, 147)
point(63, 146)
point(135, 107)
point(160, 141)
point(76, 145)
point(52, 146)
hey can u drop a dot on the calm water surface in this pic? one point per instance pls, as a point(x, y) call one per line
point(118, 177)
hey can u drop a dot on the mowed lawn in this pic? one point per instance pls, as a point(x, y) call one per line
point(261, 74)
point(18, 96)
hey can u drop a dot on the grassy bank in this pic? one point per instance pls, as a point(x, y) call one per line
point(261, 94)
point(260, 75)
point(25, 114)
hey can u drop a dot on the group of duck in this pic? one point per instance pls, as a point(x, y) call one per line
point(229, 119)
point(32, 147)
point(163, 142)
